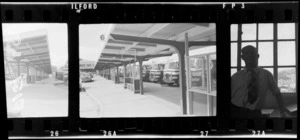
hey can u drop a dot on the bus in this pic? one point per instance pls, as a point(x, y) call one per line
point(171, 73)
point(146, 72)
point(156, 72)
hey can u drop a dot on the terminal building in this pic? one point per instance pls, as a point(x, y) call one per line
point(87, 65)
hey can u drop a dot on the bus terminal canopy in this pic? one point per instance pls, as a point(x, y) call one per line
point(130, 41)
point(33, 49)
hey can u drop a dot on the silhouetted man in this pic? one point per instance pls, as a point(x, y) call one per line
point(249, 88)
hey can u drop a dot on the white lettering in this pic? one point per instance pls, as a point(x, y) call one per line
point(232, 5)
point(224, 5)
point(243, 6)
point(84, 6)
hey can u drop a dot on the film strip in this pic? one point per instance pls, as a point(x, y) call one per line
point(223, 15)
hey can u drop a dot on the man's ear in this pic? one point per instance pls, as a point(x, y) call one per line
point(257, 56)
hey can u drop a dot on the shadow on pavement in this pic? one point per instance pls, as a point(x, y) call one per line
point(168, 93)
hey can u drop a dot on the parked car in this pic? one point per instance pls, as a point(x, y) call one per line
point(171, 73)
point(85, 77)
point(59, 75)
point(91, 74)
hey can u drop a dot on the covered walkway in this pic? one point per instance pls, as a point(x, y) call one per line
point(115, 101)
point(129, 45)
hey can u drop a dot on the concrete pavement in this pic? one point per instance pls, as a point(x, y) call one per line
point(44, 99)
point(115, 101)
point(49, 98)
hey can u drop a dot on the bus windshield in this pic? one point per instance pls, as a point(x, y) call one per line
point(146, 67)
point(158, 67)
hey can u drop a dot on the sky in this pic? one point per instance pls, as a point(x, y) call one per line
point(89, 39)
point(90, 43)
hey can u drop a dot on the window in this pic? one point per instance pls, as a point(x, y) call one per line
point(248, 31)
point(286, 53)
point(203, 69)
point(276, 45)
point(265, 52)
point(198, 72)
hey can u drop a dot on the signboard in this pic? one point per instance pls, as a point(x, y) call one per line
point(87, 64)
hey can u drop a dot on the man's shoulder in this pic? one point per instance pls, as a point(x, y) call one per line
point(262, 70)
point(238, 73)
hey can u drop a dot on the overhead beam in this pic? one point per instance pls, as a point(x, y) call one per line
point(111, 41)
point(120, 60)
point(32, 39)
point(38, 60)
point(44, 49)
point(158, 55)
point(29, 46)
point(40, 63)
point(202, 43)
point(103, 60)
point(44, 64)
point(114, 47)
point(39, 53)
point(35, 53)
point(143, 39)
point(138, 49)
point(38, 57)
point(117, 55)
point(140, 45)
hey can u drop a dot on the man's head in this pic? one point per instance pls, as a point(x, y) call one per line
point(250, 56)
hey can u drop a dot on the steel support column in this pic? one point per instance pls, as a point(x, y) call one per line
point(27, 72)
point(117, 75)
point(189, 99)
point(124, 74)
point(181, 57)
point(19, 70)
point(140, 60)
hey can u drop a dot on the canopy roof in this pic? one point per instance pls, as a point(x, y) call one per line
point(34, 49)
point(120, 48)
